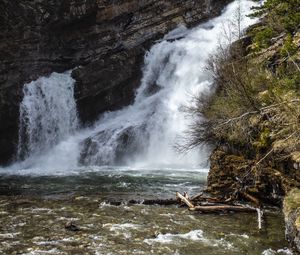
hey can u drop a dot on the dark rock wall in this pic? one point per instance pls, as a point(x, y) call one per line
point(106, 38)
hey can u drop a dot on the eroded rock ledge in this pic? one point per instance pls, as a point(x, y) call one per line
point(232, 171)
point(106, 38)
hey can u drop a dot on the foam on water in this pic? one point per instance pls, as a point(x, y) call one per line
point(195, 235)
point(53, 251)
point(118, 227)
point(192, 236)
point(284, 251)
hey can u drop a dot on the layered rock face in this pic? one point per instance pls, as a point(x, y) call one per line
point(106, 40)
point(231, 172)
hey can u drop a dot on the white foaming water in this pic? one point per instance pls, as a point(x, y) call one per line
point(141, 135)
point(194, 235)
point(284, 251)
point(47, 114)
point(144, 134)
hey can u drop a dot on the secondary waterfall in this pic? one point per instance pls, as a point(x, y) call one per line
point(142, 134)
point(47, 114)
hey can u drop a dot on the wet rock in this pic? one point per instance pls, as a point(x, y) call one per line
point(291, 211)
point(127, 142)
point(106, 39)
point(156, 234)
point(70, 226)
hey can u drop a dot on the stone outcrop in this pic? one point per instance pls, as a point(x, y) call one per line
point(105, 39)
point(231, 172)
point(291, 209)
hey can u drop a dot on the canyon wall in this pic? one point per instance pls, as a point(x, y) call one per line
point(104, 41)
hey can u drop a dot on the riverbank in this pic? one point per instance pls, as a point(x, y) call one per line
point(253, 117)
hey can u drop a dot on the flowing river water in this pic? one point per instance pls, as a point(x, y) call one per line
point(89, 176)
point(35, 209)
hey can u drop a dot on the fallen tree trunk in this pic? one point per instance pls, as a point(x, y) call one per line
point(198, 196)
point(159, 202)
point(201, 198)
point(210, 199)
point(251, 198)
point(184, 200)
point(222, 208)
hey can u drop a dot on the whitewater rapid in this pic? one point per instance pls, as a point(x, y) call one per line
point(142, 135)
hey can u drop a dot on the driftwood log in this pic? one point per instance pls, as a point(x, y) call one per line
point(251, 198)
point(215, 205)
point(222, 208)
point(210, 206)
point(257, 205)
point(205, 204)
point(185, 200)
point(259, 218)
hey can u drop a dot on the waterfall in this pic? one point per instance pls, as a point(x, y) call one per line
point(47, 114)
point(142, 134)
point(145, 133)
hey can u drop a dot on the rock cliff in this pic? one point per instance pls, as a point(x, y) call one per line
point(106, 41)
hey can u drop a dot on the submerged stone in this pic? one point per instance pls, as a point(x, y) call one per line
point(71, 227)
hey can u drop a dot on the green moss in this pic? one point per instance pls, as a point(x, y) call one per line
point(291, 83)
point(280, 15)
point(264, 140)
point(262, 38)
point(289, 47)
point(291, 202)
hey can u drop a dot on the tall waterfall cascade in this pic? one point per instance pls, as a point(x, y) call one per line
point(143, 134)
